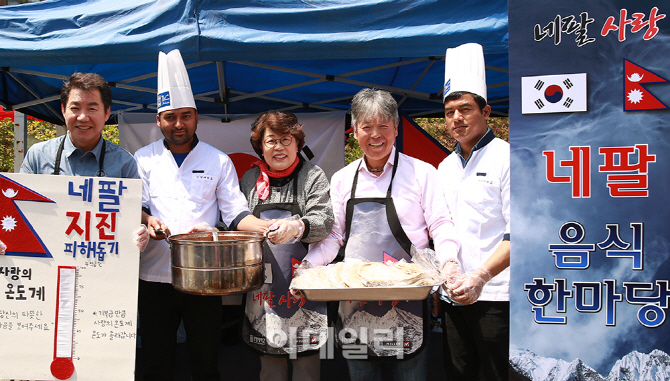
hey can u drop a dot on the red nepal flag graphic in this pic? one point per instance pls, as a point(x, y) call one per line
point(294, 265)
point(636, 97)
point(389, 257)
point(15, 230)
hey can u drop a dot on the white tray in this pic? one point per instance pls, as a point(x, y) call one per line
point(367, 293)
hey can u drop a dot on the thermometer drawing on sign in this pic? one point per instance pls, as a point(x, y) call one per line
point(62, 366)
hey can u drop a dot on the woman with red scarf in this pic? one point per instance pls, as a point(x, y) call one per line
point(285, 187)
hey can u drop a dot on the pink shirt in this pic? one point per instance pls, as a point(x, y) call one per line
point(421, 208)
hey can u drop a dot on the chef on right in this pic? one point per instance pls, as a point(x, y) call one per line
point(475, 179)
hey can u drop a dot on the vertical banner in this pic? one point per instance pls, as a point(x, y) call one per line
point(69, 277)
point(590, 140)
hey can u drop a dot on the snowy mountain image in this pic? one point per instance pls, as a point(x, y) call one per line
point(314, 322)
point(395, 317)
point(635, 366)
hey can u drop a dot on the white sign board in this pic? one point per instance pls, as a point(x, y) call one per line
point(68, 282)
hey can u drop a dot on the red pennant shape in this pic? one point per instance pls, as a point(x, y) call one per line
point(15, 230)
point(294, 265)
point(636, 97)
point(389, 257)
point(419, 144)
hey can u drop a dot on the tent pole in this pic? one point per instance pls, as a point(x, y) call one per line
point(20, 139)
point(36, 102)
point(221, 74)
point(28, 89)
point(417, 81)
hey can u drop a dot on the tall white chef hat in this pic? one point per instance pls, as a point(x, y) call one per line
point(464, 70)
point(174, 87)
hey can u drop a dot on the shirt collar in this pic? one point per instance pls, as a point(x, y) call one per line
point(486, 139)
point(69, 148)
point(194, 142)
point(389, 163)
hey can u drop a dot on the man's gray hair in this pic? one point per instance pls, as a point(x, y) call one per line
point(372, 103)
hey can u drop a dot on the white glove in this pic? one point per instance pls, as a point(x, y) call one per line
point(451, 271)
point(285, 231)
point(201, 227)
point(467, 288)
point(304, 265)
point(141, 237)
point(3, 248)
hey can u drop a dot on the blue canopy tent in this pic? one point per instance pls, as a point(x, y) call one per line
point(248, 57)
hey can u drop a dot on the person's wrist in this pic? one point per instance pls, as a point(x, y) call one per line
point(450, 265)
point(301, 229)
point(483, 273)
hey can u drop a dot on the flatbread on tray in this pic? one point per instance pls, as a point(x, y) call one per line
point(350, 273)
point(311, 278)
point(356, 273)
point(393, 274)
point(334, 274)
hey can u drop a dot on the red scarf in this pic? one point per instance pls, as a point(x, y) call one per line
point(263, 182)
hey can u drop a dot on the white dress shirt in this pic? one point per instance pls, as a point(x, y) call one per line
point(197, 191)
point(478, 196)
point(421, 208)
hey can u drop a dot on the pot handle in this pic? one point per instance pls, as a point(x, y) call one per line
point(159, 231)
point(265, 234)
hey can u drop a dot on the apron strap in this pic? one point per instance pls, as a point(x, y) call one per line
point(388, 192)
point(58, 156)
point(101, 160)
point(391, 214)
point(353, 186)
point(295, 192)
point(395, 168)
point(396, 228)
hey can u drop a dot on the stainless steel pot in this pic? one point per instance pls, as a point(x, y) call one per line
point(217, 263)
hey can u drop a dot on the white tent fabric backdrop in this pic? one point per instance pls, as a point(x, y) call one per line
point(324, 135)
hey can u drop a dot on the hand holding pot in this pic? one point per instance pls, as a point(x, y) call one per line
point(157, 229)
point(201, 227)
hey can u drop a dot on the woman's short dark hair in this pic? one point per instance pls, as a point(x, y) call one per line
point(280, 122)
point(86, 81)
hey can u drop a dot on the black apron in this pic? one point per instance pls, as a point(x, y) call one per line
point(101, 161)
point(274, 322)
point(388, 328)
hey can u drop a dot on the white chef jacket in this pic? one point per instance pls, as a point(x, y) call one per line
point(479, 199)
point(421, 208)
point(204, 187)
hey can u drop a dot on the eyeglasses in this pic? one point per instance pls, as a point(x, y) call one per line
point(285, 141)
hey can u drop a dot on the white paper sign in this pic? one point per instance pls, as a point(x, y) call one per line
point(68, 282)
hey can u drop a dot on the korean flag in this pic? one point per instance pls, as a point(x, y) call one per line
point(553, 93)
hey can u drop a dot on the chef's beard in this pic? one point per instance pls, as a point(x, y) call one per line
point(178, 142)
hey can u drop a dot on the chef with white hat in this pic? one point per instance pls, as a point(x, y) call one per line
point(186, 184)
point(476, 183)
